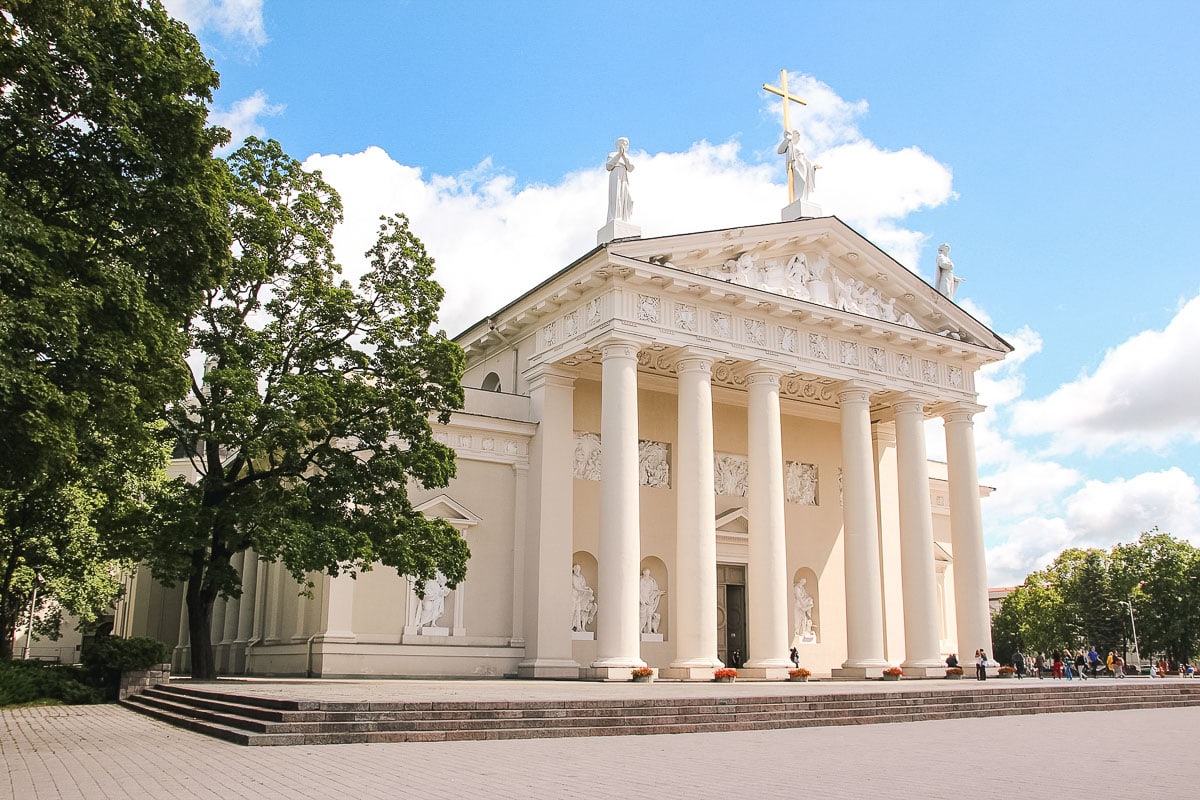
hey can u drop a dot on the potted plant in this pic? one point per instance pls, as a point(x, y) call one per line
point(954, 673)
point(892, 674)
point(642, 675)
point(799, 674)
point(725, 675)
point(1006, 671)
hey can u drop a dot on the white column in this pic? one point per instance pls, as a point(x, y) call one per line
point(458, 625)
point(520, 493)
point(694, 588)
point(233, 605)
point(767, 577)
point(279, 580)
point(249, 599)
point(246, 606)
point(864, 608)
point(618, 625)
point(921, 646)
point(337, 609)
point(549, 538)
point(966, 531)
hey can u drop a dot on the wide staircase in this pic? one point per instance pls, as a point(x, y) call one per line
point(253, 720)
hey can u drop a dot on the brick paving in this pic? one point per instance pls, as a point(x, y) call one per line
point(109, 752)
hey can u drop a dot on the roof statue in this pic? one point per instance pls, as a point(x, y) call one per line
point(947, 281)
point(620, 201)
point(801, 172)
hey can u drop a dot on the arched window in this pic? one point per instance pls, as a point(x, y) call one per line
point(491, 383)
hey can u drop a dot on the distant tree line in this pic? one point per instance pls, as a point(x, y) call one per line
point(1084, 599)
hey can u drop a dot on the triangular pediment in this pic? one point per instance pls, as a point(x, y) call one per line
point(736, 520)
point(446, 507)
point(821, 262)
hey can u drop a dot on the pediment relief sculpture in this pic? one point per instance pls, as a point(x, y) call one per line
point(810, 278)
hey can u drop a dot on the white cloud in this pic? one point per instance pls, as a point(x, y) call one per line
point(1142, 396)
point(1098, 514)
point(233, 19)
point(242, 119)
point(494, 238)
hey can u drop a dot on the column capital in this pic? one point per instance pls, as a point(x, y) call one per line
point(618, 344)
point(696, 359)
point(854, 392)
point(958, 412)
point(764, 372)
point(910, 402)
point(540, 375)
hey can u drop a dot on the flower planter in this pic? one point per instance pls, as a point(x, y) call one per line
point(643, 678)
point(892, 677)
point(724, 680)
point(954, 677)
point(799, 678)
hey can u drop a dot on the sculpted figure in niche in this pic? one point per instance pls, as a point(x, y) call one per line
point(649, 596)
point(620, 203)
point(947, 282)
point(584, 599)
point(803, 606)
point(652, 461)
point(433, 604)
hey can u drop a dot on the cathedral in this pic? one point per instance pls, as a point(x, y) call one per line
point(680, 452)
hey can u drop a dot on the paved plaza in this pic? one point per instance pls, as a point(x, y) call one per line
point(109, 752)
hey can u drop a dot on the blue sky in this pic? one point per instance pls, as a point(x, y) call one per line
point(1052, 145)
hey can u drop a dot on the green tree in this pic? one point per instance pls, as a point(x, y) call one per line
point(111, 225)
point(1091, 612)
point(1032, 618)
point(1160, 575)
point(311, 416)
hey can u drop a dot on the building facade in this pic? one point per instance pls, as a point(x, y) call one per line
point(683, 452)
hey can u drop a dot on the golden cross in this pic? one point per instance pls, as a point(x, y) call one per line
point(782, 91)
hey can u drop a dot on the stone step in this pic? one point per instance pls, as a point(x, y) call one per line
point(270, 721)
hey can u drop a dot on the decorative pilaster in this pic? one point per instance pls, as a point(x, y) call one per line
point(618, 624)
point(966, 531)
point(864, 614)
point(548, 539)
point(695, 590)
point(922, 654)
point(246, 608)
point(767, 578)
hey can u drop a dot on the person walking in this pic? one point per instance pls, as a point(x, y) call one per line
point(1067, 661)
point(981, 666)
point(1111, 664)
point(1081, 665)
point(1039, 665)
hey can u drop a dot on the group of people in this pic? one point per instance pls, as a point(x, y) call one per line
point(1069, 664)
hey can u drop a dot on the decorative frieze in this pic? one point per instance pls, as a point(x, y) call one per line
point(571, 324)
point(730, 474)
point(685, 317)
point(756, 332)
point(654, 466)
point(719, 324)
point(549, 335)
point(876, 359)
point(588, 452)
point(800, 481)
point(818, 346)
point(648, 308)
point(849, 354)
point(786, 339)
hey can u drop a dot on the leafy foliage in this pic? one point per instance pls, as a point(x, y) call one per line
point(1078, 601)
point(23, 682)
point(311, 416)
point(111, 225)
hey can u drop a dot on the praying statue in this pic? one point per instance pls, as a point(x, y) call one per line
point(804, 607)
point(649, 596)
point(584, 600)
point(947, 282)
point(620, 203)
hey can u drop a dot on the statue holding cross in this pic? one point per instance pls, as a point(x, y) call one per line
point(801, 172)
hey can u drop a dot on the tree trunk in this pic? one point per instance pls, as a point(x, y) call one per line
point(200, 611)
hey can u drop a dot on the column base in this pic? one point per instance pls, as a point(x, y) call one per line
point(860, 670)
point(549, 669)
point(595, 673)
point(765, 671)
point(691, 671)
point(923, 672)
